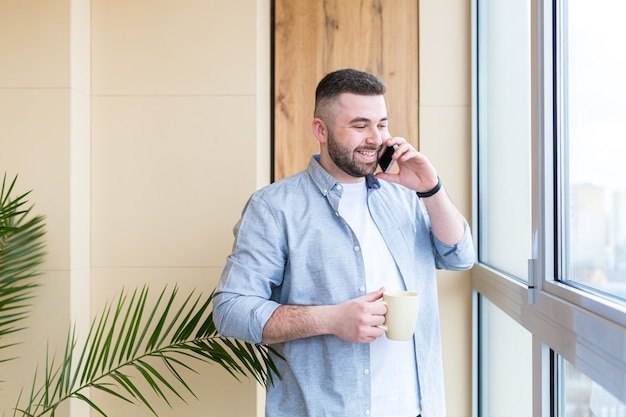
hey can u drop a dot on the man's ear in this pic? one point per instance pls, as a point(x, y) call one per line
point(320, 130)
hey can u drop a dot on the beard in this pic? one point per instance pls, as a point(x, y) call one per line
point(344, 159)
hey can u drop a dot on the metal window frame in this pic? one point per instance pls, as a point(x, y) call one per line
point(585, 329)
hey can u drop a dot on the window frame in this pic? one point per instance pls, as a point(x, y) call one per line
point(587, 330)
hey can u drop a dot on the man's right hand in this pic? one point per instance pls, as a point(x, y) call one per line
point(354, 320)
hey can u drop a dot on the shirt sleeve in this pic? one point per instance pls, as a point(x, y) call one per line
point(455, 257)
point(242, 304)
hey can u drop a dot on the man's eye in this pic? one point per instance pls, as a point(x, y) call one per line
point(382, 126)
point(360, 126)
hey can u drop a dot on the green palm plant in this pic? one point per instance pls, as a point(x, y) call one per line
point(21, 252)
point(135, 344)
point(130, 340)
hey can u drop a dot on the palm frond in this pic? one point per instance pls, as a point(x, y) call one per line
point(21, 253)
point(131, 347)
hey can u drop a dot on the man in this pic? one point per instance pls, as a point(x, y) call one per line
point(315, 252)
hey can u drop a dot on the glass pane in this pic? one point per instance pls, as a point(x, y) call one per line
point(505, 364)
point(594, 112)
point(504, 135)
point(582, 397)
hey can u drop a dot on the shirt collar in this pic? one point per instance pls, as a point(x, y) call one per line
point(326, 182)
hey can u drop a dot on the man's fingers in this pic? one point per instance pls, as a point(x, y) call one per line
point(375, 295)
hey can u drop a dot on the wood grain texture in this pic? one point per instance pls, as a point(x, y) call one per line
point(313, 38)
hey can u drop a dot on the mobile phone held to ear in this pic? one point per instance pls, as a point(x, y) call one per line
point(385, 161)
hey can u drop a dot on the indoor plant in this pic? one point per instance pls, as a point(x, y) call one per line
point(134, 335)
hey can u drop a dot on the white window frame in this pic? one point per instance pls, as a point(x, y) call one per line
point(585, 329)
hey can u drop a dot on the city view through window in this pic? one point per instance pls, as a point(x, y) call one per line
point(595, 144)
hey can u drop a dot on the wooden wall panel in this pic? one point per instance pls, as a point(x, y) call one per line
point(313, 38)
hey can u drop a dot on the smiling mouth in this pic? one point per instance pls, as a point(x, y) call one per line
point(369, 153)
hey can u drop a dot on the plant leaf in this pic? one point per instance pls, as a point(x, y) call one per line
point(124, 349)
point(21, 253)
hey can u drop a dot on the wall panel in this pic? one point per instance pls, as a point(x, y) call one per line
point(313, 38)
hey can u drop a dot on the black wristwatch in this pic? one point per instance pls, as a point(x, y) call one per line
point(431, 192)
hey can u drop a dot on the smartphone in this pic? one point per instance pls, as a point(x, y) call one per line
point(385, 161)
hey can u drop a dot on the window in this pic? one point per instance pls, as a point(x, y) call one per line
point(506, 364)
point(504, 128)
point(593, 114)
point(582, 397)
point(550, 206)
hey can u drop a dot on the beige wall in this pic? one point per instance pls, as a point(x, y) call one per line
point(445, 136)
point(143, 128)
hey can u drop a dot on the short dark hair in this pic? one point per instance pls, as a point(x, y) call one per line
point(342, 81)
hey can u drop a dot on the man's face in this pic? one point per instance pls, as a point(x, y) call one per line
point(356, 137)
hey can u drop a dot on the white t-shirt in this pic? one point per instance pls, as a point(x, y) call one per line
point(393, 368)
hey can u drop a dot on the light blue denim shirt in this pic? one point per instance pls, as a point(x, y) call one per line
point(292, 247)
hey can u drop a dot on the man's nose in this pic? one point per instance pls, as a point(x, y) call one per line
point(375, 137)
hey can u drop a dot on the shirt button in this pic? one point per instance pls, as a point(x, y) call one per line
point(367, 412)
point(337, 213)
point(357, 248)
point(362, 289)
point(366, 371)
point(339, 187)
